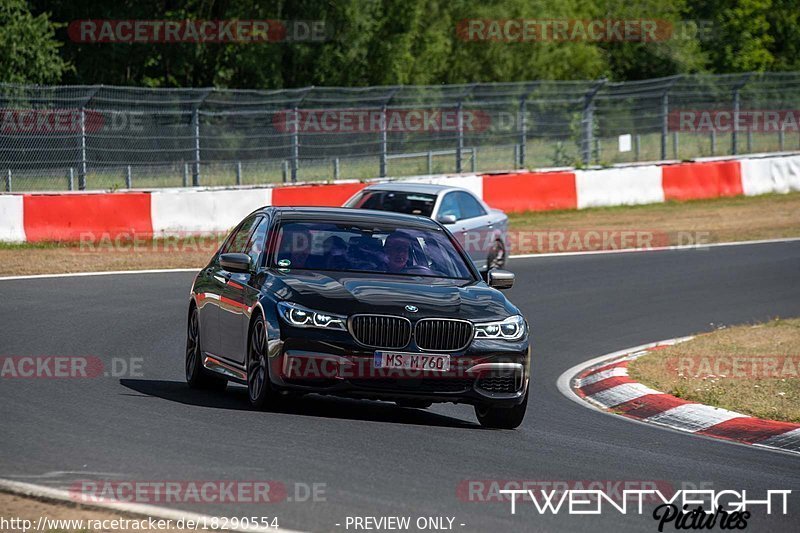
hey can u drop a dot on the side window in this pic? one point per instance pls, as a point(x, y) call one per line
point(257, 241)
point(238, 240)
point(470, 208)
point(450, 206)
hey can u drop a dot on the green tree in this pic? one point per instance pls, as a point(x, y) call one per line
point(29, 52)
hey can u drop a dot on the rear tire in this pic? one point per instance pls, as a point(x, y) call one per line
point(197, 377)
point(497, 256)
point(413, 404)
point(502, 417)
point(259, 389)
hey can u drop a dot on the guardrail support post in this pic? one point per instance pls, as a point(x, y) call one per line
point(664, 124)
point(637, 146)
point(128, 180)
point(238, 173)
point(430, 162)
point(474, 165)
point(336, 168)
point(8, 181)
point(713, 142)
point(781, 139)
point(186, 174)
point(285, 170)
point(749, 141)
point(71, 179)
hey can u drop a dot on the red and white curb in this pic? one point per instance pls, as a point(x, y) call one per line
point(604, 384)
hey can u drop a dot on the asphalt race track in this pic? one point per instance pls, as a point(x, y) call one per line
point(376, 459)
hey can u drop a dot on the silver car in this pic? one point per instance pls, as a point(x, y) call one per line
point(480, 229)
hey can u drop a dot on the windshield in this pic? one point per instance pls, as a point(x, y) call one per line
point(410, 203)
point(386, 249)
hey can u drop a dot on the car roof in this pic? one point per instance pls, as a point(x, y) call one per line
point(426, 188)
point(346, 214)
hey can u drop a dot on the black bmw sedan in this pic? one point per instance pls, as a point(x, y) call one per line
point(357, 303)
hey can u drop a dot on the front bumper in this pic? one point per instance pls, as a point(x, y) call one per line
point(487, 372)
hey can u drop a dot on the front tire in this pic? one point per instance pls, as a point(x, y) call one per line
point(502, 417)
point(197, 377)
point(259, 390)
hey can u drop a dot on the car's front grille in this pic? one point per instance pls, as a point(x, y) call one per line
point(381, 331)
point(442, 334)
point(498, 383)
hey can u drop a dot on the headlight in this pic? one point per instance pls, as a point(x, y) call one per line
point(510, 329)
point(301, 317)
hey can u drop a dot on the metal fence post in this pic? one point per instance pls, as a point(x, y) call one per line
point(196, 127)
point(736, 105)
point(285, 170)
point(82, 173)
point(749, 140)
point(523, 129)
point(384, 163)
point(238, 173)
point(460, 141)
point(637, 146)
point(336, 168)
point(128, 180)
point(186, 174)
point(71, 179)
point(665, 116)
point(8, 181)
point(295, 144)
point(430, 162)
point(587, 122)
point(781, 139)
point(675, 145)
point(474, 164)
point(196, 124)
point(713, 141)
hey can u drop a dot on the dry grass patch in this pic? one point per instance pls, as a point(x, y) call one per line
point(751, 369)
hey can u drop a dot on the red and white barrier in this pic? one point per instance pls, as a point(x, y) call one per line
point(66, 216)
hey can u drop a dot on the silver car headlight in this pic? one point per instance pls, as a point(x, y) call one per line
point(510, 329)
point(302, 317)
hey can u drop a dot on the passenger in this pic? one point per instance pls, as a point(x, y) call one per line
point(397, 248)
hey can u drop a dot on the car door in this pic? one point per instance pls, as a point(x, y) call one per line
point(475, 227)
point(241, 293)
point(232, 307)
point(209, 298)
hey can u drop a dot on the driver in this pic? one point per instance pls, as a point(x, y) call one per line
point(397, 248)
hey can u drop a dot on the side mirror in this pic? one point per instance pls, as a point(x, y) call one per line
point(447, 219)
point(235, 262)
point(500, 279)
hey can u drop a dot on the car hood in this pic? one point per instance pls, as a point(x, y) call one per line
point(348, 293)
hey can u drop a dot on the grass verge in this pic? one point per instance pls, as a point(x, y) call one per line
point(750, 369)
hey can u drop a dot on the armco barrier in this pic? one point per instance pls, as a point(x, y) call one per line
point(67, 216)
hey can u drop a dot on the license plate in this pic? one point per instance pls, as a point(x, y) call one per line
point(412, 361)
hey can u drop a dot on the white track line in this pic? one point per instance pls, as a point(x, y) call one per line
point(520, 256)
point(60, 495)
